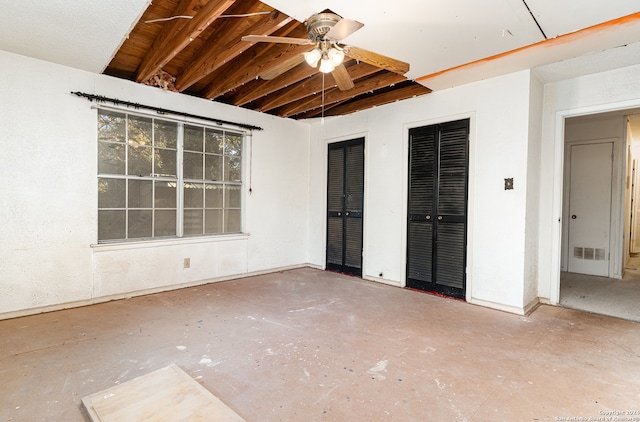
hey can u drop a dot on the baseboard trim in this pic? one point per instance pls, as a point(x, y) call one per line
point(532, 306)
point(499, 306)
point(382, 280)
point(128, 295)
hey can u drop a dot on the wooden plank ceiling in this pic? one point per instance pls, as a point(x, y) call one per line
point(195, 47)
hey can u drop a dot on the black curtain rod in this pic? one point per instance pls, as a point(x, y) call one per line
point(103, 99)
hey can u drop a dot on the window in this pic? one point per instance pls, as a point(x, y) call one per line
point(148, 168)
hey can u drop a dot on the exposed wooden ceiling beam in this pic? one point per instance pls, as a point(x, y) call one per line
point(259, 88)
point(250, 65)
point(372, 83)
point(172, 43)
point(283, 67)
point(318, 112)
point(309, 104)
point(311, 86)
point(264, 76)
point(410, 91)
point(302, 89)
point(220, 49)
point(220, 34)
point(241, 73)
point(169, 29)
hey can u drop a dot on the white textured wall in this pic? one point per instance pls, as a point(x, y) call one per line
point(48, 195)
point(532, 219)
point(612, 90)
point(499, 111)
point(48, 187)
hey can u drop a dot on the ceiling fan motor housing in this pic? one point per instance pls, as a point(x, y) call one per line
point(321, 23)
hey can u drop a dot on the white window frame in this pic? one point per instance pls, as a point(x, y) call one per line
point(179, 180)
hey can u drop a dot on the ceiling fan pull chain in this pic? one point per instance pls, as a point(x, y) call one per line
point(322, 119)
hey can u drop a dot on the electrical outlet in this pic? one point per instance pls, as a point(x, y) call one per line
point(187, 263)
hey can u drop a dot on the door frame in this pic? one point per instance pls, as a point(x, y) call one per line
point(614, 236)
point(472, 153)
point(558, 185)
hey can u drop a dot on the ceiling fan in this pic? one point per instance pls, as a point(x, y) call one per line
point(325, 31)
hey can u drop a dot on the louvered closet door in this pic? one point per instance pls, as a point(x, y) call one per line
point(437, 209)
point(345, 198)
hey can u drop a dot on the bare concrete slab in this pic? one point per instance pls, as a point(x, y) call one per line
point(309, 345)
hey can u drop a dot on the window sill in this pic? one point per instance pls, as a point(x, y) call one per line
point(156, 243)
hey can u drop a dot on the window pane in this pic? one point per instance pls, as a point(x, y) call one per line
point(233, 145)
point(231, 221)
point(232, 196)
point(111, 126)
point(165, 223)
point(213, 141)
point(139, 224)
point(165, 194)
point(213, 221)
point(192, 165)
point(213, 196)
point(213, 167)
point(139, 131)
point(165, 134)
point(165, 163)
point(111, 158)
point(140, 161)
point(192, 222)
point(193, 138)
point(193, 195)
point(111, 225)
point(111, 193)
point(140, 193)
point(232, 169)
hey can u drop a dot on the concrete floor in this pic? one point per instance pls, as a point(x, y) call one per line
point(313, 345)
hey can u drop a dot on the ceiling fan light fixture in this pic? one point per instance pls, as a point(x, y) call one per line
point(336, 56)
point(326, 65)
point(312, 57)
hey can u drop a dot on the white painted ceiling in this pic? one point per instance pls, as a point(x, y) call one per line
point(84, 34)
point(431, 35)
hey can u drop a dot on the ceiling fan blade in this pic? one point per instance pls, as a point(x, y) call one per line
point(342, 78)
point(343, 29)
point(282, 40)
point(376, 59)
point(283, 67)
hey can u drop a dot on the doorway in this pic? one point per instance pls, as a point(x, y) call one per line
point(599, 270)
point(437, 208)
point(345, 199)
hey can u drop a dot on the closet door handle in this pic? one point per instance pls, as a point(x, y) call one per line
point(439, 218)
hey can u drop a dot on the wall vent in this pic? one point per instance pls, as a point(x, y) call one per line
point(592, 254)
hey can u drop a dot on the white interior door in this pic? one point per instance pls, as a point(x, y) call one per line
point(590, 208)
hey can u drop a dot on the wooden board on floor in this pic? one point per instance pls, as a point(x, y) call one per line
point(168, 394)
